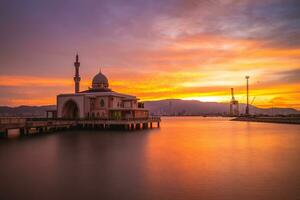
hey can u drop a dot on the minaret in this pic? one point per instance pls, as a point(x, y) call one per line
point(77, 77)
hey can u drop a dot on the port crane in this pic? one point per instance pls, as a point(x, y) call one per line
point(234, 105)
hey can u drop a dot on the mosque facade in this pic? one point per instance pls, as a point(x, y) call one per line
point(99, 101)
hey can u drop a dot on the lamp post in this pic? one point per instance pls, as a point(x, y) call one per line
point(247, 106)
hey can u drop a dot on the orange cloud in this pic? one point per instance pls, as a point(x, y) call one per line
point(202, 67)
point(29, 81)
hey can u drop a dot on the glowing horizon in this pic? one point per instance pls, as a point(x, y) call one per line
point(174, 49)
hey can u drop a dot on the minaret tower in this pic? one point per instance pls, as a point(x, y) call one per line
point(77, 77)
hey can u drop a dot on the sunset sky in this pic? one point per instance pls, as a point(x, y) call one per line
point(158, 49)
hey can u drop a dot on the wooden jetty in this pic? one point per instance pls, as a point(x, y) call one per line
point(45, 125)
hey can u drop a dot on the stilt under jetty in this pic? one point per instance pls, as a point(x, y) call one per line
point(27, 126)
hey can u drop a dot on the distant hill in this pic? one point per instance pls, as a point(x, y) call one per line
point(161, 107)
point(194, 107)
point(25, 111)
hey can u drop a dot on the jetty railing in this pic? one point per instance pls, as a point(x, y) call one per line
point(12, 120)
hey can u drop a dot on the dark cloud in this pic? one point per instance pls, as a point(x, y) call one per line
point(273, 22)
point(290, 76)
point(37, 35)
point(277, 23)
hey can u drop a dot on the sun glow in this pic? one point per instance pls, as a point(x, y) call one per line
point(208, 99)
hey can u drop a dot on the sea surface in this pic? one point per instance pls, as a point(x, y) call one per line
point(187, 158)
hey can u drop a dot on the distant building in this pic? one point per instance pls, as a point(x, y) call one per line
point(98, 102)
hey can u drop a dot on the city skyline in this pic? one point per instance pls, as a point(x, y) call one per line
point(152, 49)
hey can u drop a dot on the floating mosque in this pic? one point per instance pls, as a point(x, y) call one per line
point(99, 101)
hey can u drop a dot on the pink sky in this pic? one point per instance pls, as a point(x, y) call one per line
point(152, 49)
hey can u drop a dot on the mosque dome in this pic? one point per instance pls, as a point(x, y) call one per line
point(100, 81)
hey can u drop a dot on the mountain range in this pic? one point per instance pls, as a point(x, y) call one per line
point(194, 107)
point(161, 107)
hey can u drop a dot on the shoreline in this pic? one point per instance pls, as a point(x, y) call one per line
point(277, 120)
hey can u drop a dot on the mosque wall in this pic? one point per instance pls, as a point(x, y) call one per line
point(62, 100)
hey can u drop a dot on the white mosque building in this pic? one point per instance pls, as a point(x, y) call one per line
point(98, 102)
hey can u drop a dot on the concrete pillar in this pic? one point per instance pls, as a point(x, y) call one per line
point(126, 127)
point(138, 126)
point(21, 131)
point(145, 125)
point(6, 133)
point(40, 130)
point(25, 131)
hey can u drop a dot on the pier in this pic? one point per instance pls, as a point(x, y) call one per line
point(45, 125)
point(281, 120)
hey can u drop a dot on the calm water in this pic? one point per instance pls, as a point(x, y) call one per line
point(187, 158)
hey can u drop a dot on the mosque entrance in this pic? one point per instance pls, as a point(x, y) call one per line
point(70, 110)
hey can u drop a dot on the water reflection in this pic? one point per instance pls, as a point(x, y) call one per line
point(187, 158)
point(210, 159)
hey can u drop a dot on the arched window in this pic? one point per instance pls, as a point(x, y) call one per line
point(102, 103)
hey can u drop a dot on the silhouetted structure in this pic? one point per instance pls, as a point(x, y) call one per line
point(77, 77)
point(247, 106)
point(234, 105)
